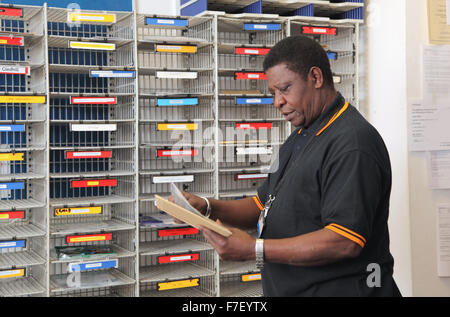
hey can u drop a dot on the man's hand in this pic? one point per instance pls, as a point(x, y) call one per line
point(241, 213)
point(240, 246)
point(195, 201)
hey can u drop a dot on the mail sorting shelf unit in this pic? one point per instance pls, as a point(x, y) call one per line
point(316, 9)
point(237, 278)
point(251, 128)
point(92, 159)
point(341, 41)
point(176, 144)
point(196, 7)
point(175, 260)
point(343, 9)
point(23, 151)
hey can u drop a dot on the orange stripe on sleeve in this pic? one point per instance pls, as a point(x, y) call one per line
point(258, 202)
point(347, 233)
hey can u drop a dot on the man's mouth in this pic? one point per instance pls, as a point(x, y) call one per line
point(288, 116)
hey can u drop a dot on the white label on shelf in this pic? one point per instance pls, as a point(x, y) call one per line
point(253, 150)
point(93, 127)
point(112, 74)
point(79, 210)
point(178, 75)
point(180, 258)
point(176, 126)
point(8, 244)
point(164, 21)
point(319, 30)
point(253, 76)
point(260, 26)
point(173, 179)
point(81, 154)
point(77, 100)
point(16, 70)
point(253, 100)
point(93, 265)
point(177, 152)
point(251, 176)
point(91, 18)
point(254, 276)
point(10, 272)
point(169, 47)
point(250, 51)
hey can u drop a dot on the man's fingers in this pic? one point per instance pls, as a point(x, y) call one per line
point(215, 239)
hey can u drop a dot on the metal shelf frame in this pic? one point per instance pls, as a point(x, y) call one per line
point(24, 162)
point(139, 102)
point(92, 116)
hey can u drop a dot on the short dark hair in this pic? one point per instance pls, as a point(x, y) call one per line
point(300, 53)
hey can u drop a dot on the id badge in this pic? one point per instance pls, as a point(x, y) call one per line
point(263, 215)
point(261, 222)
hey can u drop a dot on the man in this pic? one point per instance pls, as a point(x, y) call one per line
point(324, 228)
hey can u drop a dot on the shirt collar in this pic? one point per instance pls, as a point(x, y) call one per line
point(325, 116)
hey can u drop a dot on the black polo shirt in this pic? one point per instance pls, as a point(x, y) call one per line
point(338, 177)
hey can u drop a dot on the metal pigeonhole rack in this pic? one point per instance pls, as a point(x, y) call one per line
point(176, 142)
point(341, 41)
point(92, 210)
point(23, 154)
point(251, 128)
point(240, 279)
point(99, 111)
point(313, 9)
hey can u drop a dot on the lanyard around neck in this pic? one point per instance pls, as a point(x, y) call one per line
point(296, 160)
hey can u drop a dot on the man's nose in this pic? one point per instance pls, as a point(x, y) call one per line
point(279, 100)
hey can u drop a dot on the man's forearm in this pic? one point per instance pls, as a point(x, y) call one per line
point(316, 248)
point(242, 213)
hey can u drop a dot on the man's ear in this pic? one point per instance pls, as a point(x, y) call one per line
point(316, 76)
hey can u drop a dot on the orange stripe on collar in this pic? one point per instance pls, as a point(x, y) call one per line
point(337, 115)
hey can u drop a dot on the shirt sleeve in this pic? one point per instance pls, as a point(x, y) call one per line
point(352, 188)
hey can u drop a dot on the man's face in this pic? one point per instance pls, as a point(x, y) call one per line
point(293, 95)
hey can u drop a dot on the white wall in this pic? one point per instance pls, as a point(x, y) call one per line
point(162, 7)
point(423, 201)
point(386, 109)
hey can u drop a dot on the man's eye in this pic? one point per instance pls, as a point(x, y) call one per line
point(284, 89)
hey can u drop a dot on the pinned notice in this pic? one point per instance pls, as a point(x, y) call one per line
point(443, 240)
point(439, 169)
point(448, 12)
point(436, 74)
point(438, 22)
point(428, 127)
